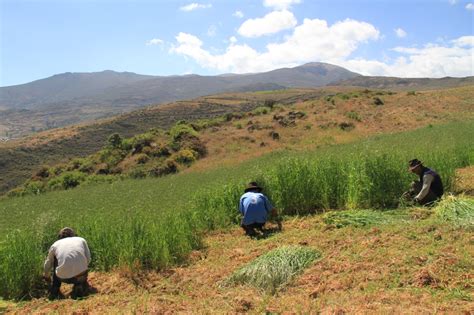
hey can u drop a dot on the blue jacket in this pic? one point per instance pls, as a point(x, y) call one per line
point(254, 207)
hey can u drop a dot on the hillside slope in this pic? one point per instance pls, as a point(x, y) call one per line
point(325, 109)
point(70, 98)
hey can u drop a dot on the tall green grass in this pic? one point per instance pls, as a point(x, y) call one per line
point(156, 223)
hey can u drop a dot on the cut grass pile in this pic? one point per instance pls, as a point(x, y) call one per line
point(274, 269)
point(356, 218)
point(456, 210)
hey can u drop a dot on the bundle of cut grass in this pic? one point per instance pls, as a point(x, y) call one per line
point(276, 268)
point(356, 218)
point(458, 210)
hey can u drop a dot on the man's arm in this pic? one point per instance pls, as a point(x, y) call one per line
point(49, 262)
point(427, 180)
point(87, 252)
point(241, 206)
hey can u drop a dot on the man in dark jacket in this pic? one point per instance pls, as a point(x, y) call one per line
point(429, 187)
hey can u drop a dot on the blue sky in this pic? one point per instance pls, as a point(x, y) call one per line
point(394, 38)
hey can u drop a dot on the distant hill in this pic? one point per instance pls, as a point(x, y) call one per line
point(406, 83)
point(69, 98)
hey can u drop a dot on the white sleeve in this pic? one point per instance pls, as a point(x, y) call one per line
point(427, 180)
point(49, 262)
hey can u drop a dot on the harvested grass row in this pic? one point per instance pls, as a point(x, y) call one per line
point(274, 269)
point(457, 210)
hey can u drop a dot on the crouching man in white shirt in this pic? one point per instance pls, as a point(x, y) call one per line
point(68, 258)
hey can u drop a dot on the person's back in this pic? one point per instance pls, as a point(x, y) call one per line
point(72, 256)
point(255, 208)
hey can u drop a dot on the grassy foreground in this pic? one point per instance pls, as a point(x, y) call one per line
point(154, 224)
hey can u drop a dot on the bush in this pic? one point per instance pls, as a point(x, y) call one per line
point(67, 180)
point(115, 141)
point(353, 115)
point(180, 131)
point(186, 156)
point(42, 173)
point(378, 101)
point(165, 168)
point(142, 158)
point(262, 110)
point(346, 126)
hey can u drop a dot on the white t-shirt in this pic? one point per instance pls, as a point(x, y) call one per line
point(73, 257)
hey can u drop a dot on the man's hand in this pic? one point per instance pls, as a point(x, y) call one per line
point(47, 277)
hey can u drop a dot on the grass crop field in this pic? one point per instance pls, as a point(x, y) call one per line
point(156, 223)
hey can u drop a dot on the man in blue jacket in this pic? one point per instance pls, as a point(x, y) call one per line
point(255, 208)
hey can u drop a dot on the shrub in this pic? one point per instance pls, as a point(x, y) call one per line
point(411, 93)
point(67, 180)
point(142, 158)
point(261, 110)
point(180, 131)
point(167, 167)
point(378, 101)
point(34, 187)
point(139, 142)
point(346, 126)
point(43, 172)
point(186, 156)
point(276, 268)
point(353, 115)
point(115, 141)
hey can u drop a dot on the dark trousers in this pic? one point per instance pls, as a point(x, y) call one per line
point(250, 228)
point(80, 284)
point(415, 189)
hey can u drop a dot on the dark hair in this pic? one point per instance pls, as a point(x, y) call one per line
point(66, 232)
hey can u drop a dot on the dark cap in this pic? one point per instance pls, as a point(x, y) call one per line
point(253, 186)
point(412, 164)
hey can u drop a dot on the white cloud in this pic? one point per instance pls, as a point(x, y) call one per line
point(433, 60)
point(280, 4)
point(194, 6)
point(314, 40)
point(452, 2)
point(154, 41)
point(400, 33)
point(464, 41)
point(238, 14)
point(470, 6)
point(271, 23)
point(233, 39)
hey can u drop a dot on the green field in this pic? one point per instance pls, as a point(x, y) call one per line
point(155, 223)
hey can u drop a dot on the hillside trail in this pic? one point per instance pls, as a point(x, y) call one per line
point(408, 266)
